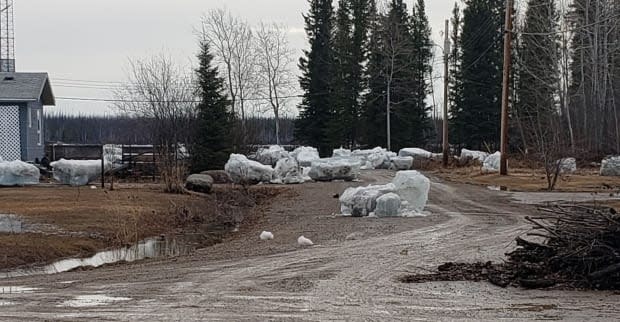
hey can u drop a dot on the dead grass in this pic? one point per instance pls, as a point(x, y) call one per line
point(78, 222)
point(525, 179)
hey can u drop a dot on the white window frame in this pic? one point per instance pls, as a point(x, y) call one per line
point(39, 128)
point(29, 117)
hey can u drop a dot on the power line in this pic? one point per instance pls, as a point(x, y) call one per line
point(567, 30)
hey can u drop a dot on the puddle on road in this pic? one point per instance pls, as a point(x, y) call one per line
point(17, 290)
point(11, 224)
point(6, 303)
point(498, 188)
point(93, 300)
point(150, 248)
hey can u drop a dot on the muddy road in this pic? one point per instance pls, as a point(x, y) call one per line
point(351, 274)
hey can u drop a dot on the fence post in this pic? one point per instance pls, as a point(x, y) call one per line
point(102, 168)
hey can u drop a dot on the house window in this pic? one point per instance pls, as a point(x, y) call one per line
point(39, 126)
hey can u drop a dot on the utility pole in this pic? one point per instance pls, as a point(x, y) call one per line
point(446, 51)
point(503, 170)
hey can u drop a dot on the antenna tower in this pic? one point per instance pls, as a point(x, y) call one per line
point(7, 37)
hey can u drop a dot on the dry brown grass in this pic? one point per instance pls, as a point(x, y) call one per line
point(526, 179)
point(80, 222)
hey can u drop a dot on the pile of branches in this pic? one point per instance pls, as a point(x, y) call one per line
point(581, 248)
point(569, 246)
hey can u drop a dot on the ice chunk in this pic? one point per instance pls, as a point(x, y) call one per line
point(416, 153)
point(361, 201)
point(271, 155)
point(305, 155)
point(305, 171)
point(342, 153)
point(474, 155)
point(567, 165)
point(373, 158)
point(401, 163)
point(334, 169)
point(388, 205)
point(413, 188)
point(610, 167)
point(243, 170)
point(113, 153)
point(18, 173)
point(265, 235)
point(288, 171)
point(491, 163)
point(303, 241)
point(77, 172)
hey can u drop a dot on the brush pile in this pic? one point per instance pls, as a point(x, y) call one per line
point(581, 248)
point(570, 246)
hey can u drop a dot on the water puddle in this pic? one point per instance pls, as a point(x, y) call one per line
point(17, 290)
point(498, 188)
point(93, 300)
point(11, 224)
point(150, 248)
point(7, 303)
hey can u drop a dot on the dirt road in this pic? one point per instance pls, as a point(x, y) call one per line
point(350, 275)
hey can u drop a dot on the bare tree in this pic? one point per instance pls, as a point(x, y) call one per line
point(231, 39)
point(159, 90)
point(275, 58)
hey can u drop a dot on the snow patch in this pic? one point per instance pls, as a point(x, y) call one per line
point(265, 235)
point(303, 241)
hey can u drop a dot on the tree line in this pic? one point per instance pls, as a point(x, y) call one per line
point(363, 61)
point(123, 129)
point(566, 77)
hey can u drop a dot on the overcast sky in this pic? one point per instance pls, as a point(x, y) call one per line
point(83, 43)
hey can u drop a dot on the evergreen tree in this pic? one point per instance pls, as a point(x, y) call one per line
point(479, 109)
point(351, 40)
point(538, 70)
point(455, 83)
point(422, 69)
point(375, 100)
point(342, 100)
point(312, 126)
point(212, 141)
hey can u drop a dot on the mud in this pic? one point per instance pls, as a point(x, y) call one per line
point(244, 279)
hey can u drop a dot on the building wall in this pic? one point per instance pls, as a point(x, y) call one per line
point(32, 131)
point(9, 132)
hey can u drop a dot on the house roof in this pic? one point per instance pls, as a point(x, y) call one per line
point(26, 87)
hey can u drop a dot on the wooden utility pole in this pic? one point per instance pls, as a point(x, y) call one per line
point(503, 170)
point(446, 51)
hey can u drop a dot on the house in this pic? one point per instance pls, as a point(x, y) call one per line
point(22, 98)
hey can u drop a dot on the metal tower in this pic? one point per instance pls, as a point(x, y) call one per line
point(7, 37)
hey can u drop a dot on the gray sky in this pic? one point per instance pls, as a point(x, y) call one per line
point(77, 40)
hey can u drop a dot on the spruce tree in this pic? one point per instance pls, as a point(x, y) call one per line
point(374, 101)
point(212, 140)
point(538, 71)
point(353, 19)
point(422, 56)
point(478, 117)
point(343, 93)
point(312, 126)
point(455, 83)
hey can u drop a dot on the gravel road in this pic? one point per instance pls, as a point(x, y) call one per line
point(351, 274)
